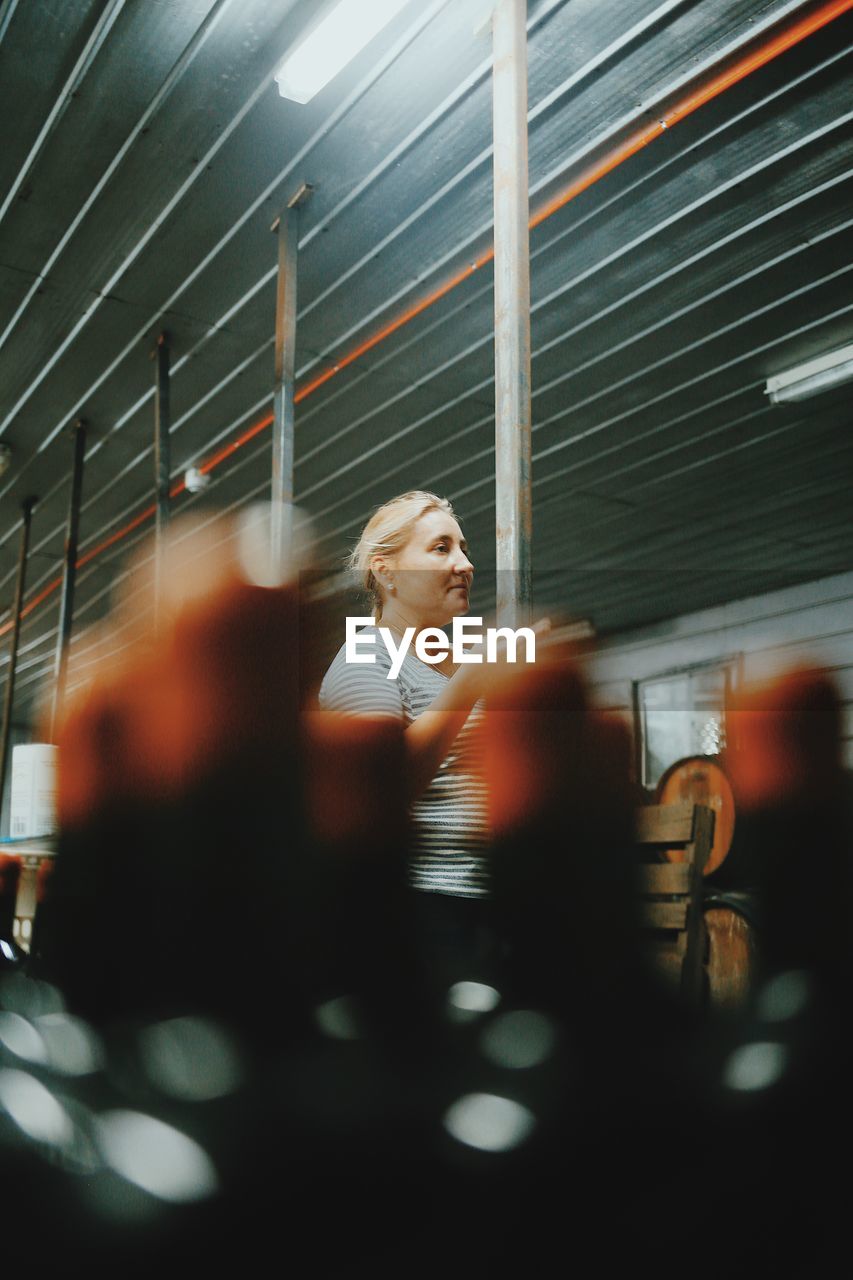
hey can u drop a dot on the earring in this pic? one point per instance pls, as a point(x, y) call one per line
point(391, 586)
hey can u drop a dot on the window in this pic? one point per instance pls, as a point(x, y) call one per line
point(682, 713)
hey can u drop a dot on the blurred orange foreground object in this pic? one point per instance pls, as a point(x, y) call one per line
point(532, 736)
point(219, 680)
point(354, 774)
point(547, 751)
point(786, 736)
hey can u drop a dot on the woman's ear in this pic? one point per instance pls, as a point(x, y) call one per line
point(382, 570)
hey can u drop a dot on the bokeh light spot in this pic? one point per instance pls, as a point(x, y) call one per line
point(489, 1122)
point(785, 996)
point(34, 1109)
point(755, 1066)
point(467, 1000)
point(190, 1058)
point(20, 1038)
point(523, 1038)
point(338, 1018)
point(154, 1156)
point(73, 1049)
point(29, 996)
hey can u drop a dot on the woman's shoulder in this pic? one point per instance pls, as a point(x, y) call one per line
point(367, 651)
point(358, 687)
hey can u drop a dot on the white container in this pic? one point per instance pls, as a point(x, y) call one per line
point(32, 811)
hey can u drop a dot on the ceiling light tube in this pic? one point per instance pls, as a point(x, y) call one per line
point(334, 42)
point(831, 370)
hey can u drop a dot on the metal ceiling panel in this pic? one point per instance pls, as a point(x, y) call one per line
point(150, 153)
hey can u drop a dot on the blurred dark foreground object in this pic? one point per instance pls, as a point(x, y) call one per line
point(178, 798)
point(563, 861)
point(531, 1127)
point(236, 1056)
point(219, 850)
point(794, 815)
point(10, 875)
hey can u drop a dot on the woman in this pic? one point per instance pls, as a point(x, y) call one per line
point(413, 560)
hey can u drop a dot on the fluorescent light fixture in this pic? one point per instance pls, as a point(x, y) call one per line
point(831, 370)
point(333, 43)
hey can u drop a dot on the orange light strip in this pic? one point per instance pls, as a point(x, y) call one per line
point(227, 450)
point(118, 535)
point(178, 488)
point(373, 341)
point(90, 555)
point(739, 70)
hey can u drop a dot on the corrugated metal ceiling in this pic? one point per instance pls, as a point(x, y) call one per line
point(146, 153)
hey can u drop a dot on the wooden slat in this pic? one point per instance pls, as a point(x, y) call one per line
point(690, 829)
point(703, 837)
point(663, 915)
point(664, 877)
point(664, 823)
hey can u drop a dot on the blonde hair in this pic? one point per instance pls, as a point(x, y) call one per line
point(387, 532)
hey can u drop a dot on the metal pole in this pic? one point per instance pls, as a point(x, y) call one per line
point(281, 511)
point(514, 523)
point(162, 462)
point(66, 604)
point(26, 517)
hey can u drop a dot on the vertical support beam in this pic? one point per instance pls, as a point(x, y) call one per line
point(284, 421)
point(285, 372)
point(26, 518)
point(512, 314)
point(69, 576)
point(162, 461)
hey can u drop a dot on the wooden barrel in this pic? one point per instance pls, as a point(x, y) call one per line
point(701, 779)
point(731, 955)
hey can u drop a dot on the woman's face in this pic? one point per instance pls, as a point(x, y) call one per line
point(432, 574)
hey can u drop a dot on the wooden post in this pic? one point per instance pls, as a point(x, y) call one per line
point(66, 605)
point(512, 315)
point(281, 512)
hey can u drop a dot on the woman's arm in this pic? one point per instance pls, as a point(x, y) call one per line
point(365, 690)
point(430, 737)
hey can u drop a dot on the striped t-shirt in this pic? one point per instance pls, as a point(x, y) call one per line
point(449, 821)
